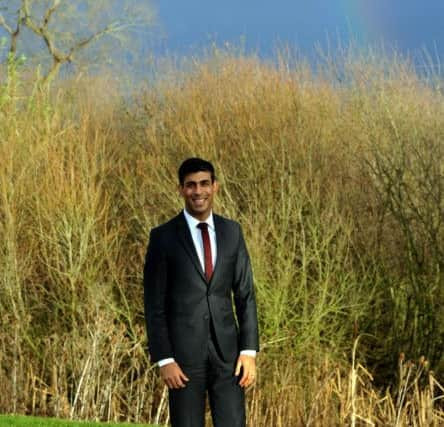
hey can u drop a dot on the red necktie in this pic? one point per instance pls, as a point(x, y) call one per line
point(207, 250)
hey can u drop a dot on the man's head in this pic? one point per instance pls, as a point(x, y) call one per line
point(193, 165)
point(197, 186)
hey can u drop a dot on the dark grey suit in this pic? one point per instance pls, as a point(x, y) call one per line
point(192, 320)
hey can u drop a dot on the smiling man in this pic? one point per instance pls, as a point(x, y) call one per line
point(196, 265)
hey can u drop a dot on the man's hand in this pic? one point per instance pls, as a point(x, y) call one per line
point(248, 365)
point(173, 375)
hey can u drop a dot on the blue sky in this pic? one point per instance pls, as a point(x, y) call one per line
point(187, 27)
point(409, 25)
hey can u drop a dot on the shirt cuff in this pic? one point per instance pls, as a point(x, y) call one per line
point(164, 362)
point(251, 353)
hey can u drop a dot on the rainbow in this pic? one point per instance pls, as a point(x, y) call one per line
point(364, 19)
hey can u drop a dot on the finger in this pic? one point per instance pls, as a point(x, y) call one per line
point(183, 377)
point(251, 380)
point(179, 383)
point(172, 381)
point(179, 373)
point(249, 376)
point(248, 381)
point(244, 378)
point(238, 368)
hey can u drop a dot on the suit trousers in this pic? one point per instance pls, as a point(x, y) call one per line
point(215, 377)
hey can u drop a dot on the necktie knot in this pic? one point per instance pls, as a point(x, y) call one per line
point(202, 226)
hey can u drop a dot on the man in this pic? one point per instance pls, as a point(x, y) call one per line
point(196, 265)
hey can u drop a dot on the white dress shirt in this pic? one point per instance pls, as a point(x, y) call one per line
point(196, 235)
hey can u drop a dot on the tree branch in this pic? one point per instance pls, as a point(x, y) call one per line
point(40, 26)
point(13, 33)
point(5, 25)
point(111, 28)
point(49, 12)
point(42, 31)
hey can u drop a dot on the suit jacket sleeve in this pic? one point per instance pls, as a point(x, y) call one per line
point(155, 299)
point(244, 299)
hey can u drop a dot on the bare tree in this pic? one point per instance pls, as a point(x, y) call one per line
point(57, 32)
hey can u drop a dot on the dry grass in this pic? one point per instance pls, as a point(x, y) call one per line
point(338, 185)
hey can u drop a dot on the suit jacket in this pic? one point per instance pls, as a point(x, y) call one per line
point(180, 304)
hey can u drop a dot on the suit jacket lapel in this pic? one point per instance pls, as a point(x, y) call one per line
point(221, 238)
point(187, 242)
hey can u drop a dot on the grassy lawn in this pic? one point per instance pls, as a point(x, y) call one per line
point(21, 421)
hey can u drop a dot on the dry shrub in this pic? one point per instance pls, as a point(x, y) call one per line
point(337, 186)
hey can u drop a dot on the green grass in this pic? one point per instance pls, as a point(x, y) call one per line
point(21, 421)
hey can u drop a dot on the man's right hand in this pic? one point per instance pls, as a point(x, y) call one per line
point(173, 375)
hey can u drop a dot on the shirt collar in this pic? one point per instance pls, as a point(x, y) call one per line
point(194, 222)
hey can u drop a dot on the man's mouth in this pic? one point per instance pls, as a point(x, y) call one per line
point(199, 201)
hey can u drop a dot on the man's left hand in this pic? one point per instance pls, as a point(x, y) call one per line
point(248, 365)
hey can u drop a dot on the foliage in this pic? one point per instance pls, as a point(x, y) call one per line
point(338, 189)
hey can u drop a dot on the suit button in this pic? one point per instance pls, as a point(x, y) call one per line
point(206, 317)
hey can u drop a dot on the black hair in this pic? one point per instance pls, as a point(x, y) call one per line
point(193, 165)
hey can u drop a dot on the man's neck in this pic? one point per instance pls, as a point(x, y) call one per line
point(198, 218)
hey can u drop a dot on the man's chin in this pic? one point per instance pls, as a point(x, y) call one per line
point(200, 208)
point(198, 211)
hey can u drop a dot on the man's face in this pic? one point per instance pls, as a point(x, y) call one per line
point(198, 192)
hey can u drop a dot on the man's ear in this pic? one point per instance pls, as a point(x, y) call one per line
point(216, 186)
point(179, 189)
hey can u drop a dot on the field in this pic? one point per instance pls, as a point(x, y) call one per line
point(22, 421)
point(337, 178)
